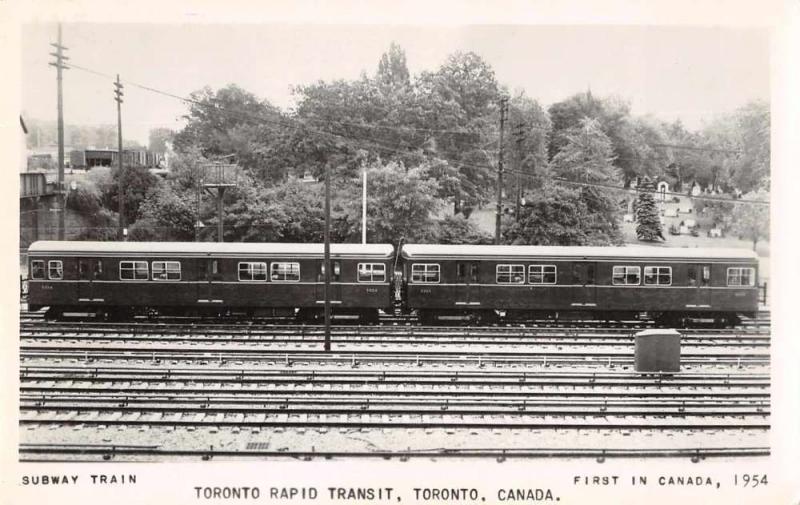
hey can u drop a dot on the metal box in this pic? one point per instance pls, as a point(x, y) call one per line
point(658, 351)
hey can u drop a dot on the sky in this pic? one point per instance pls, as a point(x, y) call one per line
point(687, 73)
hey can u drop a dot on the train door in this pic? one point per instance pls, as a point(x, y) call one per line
point(89, 270)
point(336, 286)
point(699, 277)
point(210, 291)
point(584, 274)
point(467, 284)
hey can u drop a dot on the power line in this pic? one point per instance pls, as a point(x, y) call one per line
point(635, 191)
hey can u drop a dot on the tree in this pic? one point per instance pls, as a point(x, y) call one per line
point(460, 230)
point(648, 225)
point(392, 68)
point(100, 223)
point(302, 205)
point(751, 221)
point(158, 139)
point(166, 215)
point(526, 145)
point(400, 204)
point(230, 121)
point(461, 110)
point(587, 155)
point(587, 158)
point(137, 183)
point(556, 215)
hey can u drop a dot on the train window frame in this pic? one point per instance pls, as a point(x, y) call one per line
point(429, 272)
point(42, 270)
point(253, 273)
point(543, 273)
point(57, 267)
point(135, 268)
point(627, 271)
point(751, 275)
point(511, 273)
point(657, 275)
point(363, 268)
point(274, 273)
point(165, 273)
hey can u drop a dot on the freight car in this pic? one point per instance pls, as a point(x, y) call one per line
point(123, 279)
point(673, 286)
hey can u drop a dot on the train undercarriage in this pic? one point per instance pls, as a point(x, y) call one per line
point(425, 317)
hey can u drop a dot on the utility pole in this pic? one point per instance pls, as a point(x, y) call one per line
point(503, 109)
point(62, 194)
point(199, 189)
point(520, 134)
point(327, 258)
point(364, 209)
point(121, 184)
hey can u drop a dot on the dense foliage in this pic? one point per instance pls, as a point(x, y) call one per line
point(429, 145)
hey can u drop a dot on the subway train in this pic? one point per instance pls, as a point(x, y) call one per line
point(437, 283)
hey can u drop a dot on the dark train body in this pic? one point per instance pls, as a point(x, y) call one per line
point(200, 278)
point(670, 285)
point(437, 282)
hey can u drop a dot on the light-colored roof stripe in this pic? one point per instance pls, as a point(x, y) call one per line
point(200, 248)
point(412, 251)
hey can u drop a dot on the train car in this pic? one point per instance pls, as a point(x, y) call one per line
point(670, 285)
point(123, 279)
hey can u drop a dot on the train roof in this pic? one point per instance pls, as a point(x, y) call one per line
point(188, 249)
point(429, 251)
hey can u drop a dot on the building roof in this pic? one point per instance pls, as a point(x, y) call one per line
point(420, 251)
point(183, 249)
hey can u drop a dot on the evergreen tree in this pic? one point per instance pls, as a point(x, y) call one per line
point(648, 225)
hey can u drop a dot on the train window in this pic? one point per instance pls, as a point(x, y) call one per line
point(658, 276)
point(542, 274)
point(691, 275)
point(425, 272)
point(98, 269)
point(337, 270)
point(37, 269)
point(55, 270)
point(738, 276)
point(214, 267)
point(133, 271)
point(706, 279)
point(371, 272)
point(626, 276)
point(166, 270)
point(285, 271)
point(252, 271)
point(473, 272)
point(510, 274)
point(461, 270)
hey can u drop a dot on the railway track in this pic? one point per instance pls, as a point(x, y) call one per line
point(480, 393)
point(159, 391)
point(352, 413)
point(760, 322)
point(239, 356)
point(383, 335)
point(71, 452)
